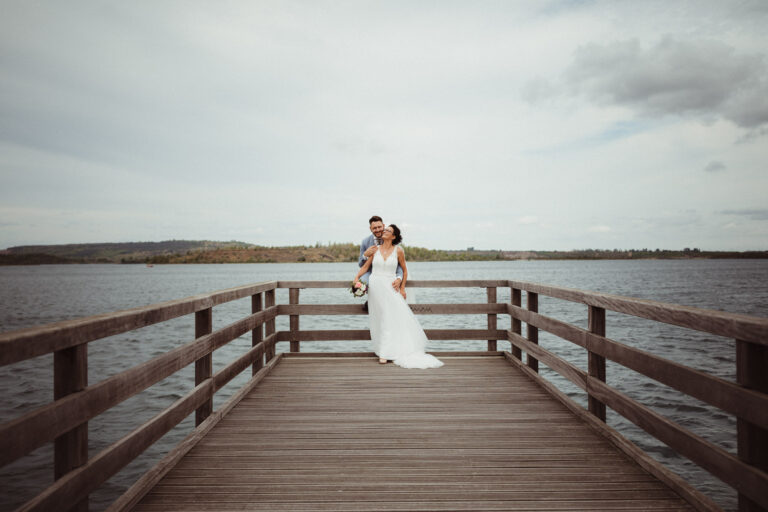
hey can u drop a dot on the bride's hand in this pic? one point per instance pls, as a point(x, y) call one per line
point(402, 292)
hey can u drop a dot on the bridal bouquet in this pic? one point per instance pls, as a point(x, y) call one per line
point(358, 289)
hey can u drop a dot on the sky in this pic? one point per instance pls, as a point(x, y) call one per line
point(517, 125)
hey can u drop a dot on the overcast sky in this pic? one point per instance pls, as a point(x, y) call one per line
point(493, 124)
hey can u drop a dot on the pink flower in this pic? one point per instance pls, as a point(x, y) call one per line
point(358, 284)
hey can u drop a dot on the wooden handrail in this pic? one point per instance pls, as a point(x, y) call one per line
point(24, 344)
point(730, 325)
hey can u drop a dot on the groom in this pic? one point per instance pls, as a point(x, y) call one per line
point(368, 249)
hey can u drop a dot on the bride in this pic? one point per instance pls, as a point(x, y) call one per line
point(395, 332)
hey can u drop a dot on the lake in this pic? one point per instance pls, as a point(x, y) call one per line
point(34, 295)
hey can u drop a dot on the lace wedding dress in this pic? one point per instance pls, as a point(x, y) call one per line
point(395, 332)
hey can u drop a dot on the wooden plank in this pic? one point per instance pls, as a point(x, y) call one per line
point(70, 375)
point(730, 397)
point(532, 332)
point(269, 326)
point(468, 283)
point(80, 482)
point(730, 325)
point(364, 334)
point(561, 366)
point(419, 309)
point(491, 293)
point(752, 439)
point(746, 479)
point(293, 298)
point(345, 433)
point(517, 328)
point(149, 479)
point(204, 365)
point(233, 369)
point(699, 500)
point(27, 343)
point(24, 434)
point(596, 362)
point(348, 355)
point(257, 305)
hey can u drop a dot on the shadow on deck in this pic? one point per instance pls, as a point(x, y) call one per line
point(345, 433)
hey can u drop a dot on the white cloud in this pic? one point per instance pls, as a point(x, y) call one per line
point(293, 122)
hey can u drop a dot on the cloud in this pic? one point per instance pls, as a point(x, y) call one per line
point(599, 229)
point(715, 166)
point(703, 78)
point(751, 213)
point(528, 219)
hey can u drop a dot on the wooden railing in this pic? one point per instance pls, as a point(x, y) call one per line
point(64, 421)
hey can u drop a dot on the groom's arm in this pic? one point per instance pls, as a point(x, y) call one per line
point(362, 259)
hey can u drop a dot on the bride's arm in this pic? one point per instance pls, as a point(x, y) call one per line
point(401, 261)
point(363, 269)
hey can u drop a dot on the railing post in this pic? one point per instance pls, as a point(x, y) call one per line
point(596, 363)
point(293, 298)
point(491, 317)
point(258, 332)
point(204, 365)
point(269, 327)
point(70, 375)
point(517, 325)
point(533, 332)
point(752, 440)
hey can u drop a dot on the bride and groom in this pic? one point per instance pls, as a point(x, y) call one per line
point(395, 332)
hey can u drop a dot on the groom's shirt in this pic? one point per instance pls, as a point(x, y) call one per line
point(365, 244)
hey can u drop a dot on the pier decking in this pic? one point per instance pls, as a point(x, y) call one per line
point(345, 433)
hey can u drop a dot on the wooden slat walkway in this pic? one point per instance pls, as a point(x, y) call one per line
point(345, 433)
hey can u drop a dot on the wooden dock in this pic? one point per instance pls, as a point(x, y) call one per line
point(340, 432)
point(345, 433)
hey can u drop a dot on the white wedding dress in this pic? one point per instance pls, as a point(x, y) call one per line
point(395, 332)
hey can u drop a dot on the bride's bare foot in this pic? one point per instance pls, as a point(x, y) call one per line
point(382, 360)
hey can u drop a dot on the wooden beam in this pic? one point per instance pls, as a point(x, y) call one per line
point(729, 325)
point(491, 293)
point(36, 341)
point(752, 439)
point(293, 298)
point(364, 334)
point(148, 480)
point(79, 483)
point(517, 327)
point(269, 327)
point(596, 362)
point(70, 375)
point(699, 500)
point(22, 435)
point(419, 309)
point(203, 365)
point(561, 366)
point(732, 398)
point(532, 331)
point(746, 479)
point(257, 335)
point(468, 283)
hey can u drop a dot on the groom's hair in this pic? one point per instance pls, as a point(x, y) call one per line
point(373, 219)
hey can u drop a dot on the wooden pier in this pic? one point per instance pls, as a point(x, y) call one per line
point(340, 432)
point(332, 433)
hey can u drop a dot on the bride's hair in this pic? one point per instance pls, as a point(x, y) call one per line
point(396, 234)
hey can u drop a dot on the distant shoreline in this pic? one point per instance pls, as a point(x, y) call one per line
point(196, 252)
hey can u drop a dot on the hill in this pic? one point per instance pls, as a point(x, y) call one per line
point(207, 251)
